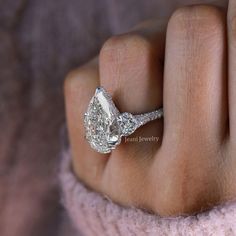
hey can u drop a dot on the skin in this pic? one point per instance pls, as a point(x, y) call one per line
point(188, 65)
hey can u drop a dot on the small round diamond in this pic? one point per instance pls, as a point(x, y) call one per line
point(127, 122)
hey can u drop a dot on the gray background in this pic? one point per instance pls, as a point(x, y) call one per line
point(40, 41)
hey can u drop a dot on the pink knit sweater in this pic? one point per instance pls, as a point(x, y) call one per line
point(93, 214)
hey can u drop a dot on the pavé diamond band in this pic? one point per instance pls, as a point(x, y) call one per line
point(105, 125)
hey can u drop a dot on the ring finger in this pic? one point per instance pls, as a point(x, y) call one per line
point(131, 69)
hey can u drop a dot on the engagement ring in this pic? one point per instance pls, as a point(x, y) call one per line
point(105, 125)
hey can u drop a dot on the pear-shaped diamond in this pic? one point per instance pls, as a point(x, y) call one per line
point(100, 121)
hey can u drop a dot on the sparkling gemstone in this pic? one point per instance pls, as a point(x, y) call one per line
point(101, 126)
point(127, 123)
point(113, 135)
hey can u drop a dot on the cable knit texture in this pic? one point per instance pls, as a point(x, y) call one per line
point(93, 214)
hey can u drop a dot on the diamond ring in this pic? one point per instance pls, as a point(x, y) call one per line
point(105, 125)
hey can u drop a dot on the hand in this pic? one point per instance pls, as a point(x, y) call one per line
point(183, 67)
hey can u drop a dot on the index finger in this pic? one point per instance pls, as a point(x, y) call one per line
point(80, 85)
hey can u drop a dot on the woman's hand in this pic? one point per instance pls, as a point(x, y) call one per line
point(182, 66)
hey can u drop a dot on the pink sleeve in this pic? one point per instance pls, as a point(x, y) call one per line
point(93, 214)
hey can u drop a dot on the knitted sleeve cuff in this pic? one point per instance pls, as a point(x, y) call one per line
point(93, 214)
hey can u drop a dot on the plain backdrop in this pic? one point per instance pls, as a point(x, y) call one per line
point(40, 41)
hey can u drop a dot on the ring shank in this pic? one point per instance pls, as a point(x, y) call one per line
point(143, 119)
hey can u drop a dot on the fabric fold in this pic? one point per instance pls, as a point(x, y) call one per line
point(93, 214)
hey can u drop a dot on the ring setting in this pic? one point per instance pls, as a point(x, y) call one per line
point(105, 125)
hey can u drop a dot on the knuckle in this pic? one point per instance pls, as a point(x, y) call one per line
point(69, 81)
point(124, 47)
point(201, 20)
point(75, 78)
